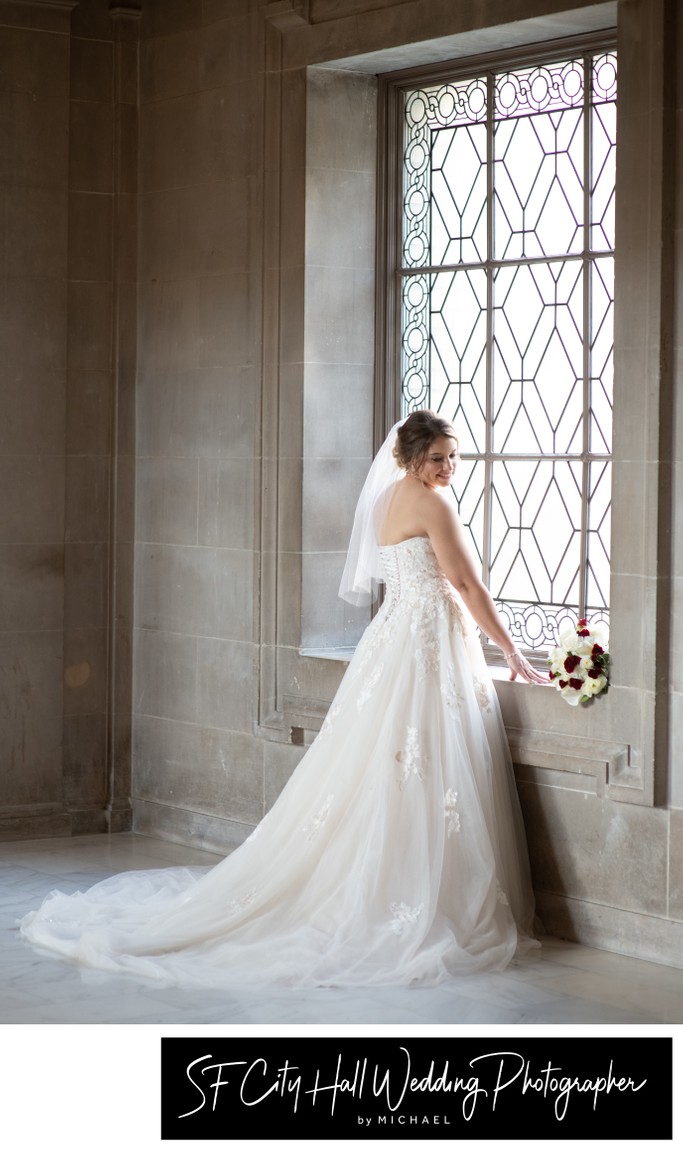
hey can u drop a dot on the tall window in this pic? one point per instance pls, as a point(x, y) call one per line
point(505, 296)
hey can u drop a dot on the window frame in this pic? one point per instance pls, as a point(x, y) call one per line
point(388, 398)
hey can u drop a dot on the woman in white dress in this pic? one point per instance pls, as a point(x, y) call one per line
point(396, 852)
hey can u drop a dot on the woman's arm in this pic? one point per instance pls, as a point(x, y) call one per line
point(447, 537)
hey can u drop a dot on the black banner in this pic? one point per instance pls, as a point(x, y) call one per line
point(416, 1088)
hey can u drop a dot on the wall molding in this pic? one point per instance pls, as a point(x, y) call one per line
point(67, 5)
point(205, 832)
point(130, 11)
point(53, 820)
point(647, 937)
point(608, 763)
point(39, 15)
point(287, 14)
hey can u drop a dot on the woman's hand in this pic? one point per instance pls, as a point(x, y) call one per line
point(518, 665)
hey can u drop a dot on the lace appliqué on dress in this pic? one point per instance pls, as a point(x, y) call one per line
point(402, 915)
point(451, 814)
point(369, 686)
point(452, 697)
point(501, 895)
point(481, 690)
point(427, 658)
point(378, 633)
point(410, 757)
point(457, 617)
point(311, 829)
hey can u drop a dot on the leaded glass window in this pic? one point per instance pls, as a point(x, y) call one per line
point(506, 279)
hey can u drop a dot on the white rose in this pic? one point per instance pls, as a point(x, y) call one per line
point(594, 686)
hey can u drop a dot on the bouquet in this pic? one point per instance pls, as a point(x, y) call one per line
point(579, 666)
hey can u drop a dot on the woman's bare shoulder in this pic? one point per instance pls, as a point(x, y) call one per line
point(408, 513)
point(438, 507)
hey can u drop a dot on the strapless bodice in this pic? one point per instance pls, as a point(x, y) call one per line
point(414, 580)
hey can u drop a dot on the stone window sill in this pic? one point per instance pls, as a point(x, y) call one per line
point(337, 654)
point(344, 655)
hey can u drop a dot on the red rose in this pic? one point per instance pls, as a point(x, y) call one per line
point(553, 674)
point(583, 632)
point(563, 684)
point(583, 623)
point(571, 662)
point(594, 674)
point(576, 684)
point(597, 650)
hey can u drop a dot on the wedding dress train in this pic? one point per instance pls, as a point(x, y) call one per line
point(395, 853)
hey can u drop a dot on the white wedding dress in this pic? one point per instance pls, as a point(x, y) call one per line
point(394, 855)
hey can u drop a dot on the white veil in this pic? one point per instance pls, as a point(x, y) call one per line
point(363, 570)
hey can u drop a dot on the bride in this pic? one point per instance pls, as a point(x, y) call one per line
point(396, 852)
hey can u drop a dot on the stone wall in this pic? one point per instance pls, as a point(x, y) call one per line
point(68, 271)
point(99, 440)
point(198, 766)
point(34, 186)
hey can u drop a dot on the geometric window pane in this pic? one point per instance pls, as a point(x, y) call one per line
point(470, 495)
point(458, 201)
point(444, 136)
point(457, 369)
point(507, 300)
point(603, 138)
point(601, 354)
point(603, 151)
point(415, 342)
point(597, 597)
point(537, 357)
point(538, 202)
point(535, 540)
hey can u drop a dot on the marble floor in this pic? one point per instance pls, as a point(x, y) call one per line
point(561, 983)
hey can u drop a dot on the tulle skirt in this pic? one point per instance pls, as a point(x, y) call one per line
point(395, 854)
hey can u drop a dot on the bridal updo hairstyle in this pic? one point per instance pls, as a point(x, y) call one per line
point(415, 437)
